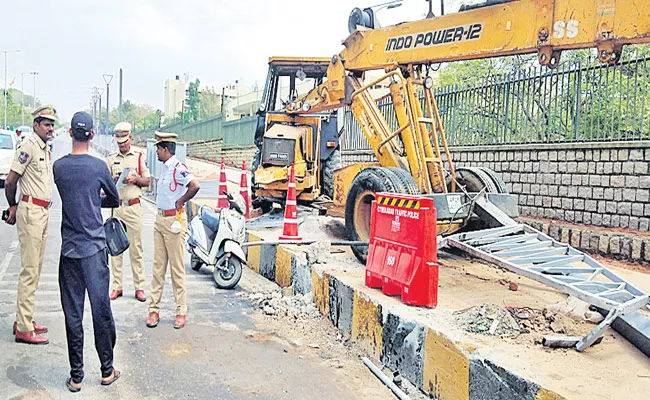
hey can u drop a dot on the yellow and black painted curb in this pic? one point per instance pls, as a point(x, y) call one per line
point(439, 366)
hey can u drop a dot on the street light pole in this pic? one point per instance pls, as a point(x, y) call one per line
point(22, 97)
point(99, 114)
point(107, 78)
point(120, 118)
point(6, 87)
point(34, 99)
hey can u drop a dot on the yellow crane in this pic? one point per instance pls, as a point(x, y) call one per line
point(415, 158)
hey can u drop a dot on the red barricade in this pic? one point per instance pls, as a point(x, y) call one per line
point(402, 256)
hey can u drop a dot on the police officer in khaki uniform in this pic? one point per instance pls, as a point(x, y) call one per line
point(176, 185)
point(31, 168)
point(130, 210)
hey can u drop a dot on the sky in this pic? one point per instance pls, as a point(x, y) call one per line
point(71, 43)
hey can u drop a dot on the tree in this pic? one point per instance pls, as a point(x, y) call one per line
point(209, 104)
point(140, 117)
point(14, 115)
point(192, 102)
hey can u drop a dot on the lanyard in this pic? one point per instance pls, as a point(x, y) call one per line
point(174, 185)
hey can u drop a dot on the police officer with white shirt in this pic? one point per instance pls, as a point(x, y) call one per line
point(176, 185)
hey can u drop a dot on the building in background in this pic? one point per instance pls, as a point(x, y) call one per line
point(235, 100)
point(174, 96)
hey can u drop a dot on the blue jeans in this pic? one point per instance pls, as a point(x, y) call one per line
point(76, 276)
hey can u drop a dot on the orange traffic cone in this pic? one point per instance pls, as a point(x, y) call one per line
point(243, 187)
point(223, 187)
point(290, 230)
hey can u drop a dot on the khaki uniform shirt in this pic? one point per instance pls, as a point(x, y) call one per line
point(117, 162)
point(32, 163)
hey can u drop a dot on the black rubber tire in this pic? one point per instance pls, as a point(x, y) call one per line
point(475, 180)
point(228, 279)
point(195, 262)
point(358, 204)
point(496, 179)
point(409, 186)
point(328, 167)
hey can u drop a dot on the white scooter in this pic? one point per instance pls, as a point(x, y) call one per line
point(215, 240)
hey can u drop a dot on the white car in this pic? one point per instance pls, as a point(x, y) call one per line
point(8, 144)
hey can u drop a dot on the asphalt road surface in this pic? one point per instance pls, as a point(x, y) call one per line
point(212, 357)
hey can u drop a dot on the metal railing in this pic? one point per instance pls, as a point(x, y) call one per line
point(238, 132)
point(574, 103)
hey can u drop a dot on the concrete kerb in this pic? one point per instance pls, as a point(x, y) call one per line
point(433, 362)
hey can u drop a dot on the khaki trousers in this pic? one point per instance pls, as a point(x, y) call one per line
point(168, 248)
point(132, 216)
point(31, 224)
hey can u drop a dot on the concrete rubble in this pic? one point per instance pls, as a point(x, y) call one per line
point(577, 310)
point(318, 253)
point(489, 319)
point(299, 306)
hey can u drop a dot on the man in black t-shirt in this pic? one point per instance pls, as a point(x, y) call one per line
point(83, 264)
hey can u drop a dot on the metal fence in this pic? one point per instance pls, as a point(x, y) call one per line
point(233, 133)
point(574, 103)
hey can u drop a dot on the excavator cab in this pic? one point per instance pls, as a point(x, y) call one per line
point(309, 141)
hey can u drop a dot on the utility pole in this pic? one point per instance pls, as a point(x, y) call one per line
point(94, 105)
point(22, 97)
point(107, 78)
point(223, 93)
point(120, 118)
point(34, 99)
point(6, 86)
point(99, 116)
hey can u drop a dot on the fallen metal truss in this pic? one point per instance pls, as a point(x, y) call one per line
point(535, 255)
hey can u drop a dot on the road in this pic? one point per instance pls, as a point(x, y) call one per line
point(215, 356)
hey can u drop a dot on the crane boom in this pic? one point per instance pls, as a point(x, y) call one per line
point(513, 27)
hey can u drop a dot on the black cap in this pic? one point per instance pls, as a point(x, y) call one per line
point(82, 122)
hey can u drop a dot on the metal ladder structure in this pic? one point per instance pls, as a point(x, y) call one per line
point(525, 251)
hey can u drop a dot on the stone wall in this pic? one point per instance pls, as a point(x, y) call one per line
point(600, 184)
point(594, 196)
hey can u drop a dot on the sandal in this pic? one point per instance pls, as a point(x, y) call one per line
point(71, 388)
point(116, 376)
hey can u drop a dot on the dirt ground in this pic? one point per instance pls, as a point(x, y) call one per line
point(315, 339)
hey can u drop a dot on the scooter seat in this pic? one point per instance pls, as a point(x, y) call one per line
point(210, 219)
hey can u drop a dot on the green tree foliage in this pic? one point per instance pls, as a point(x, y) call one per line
point(515, 100)
point(209, 104)
point(14, 116)
point(199, 105)
point(191, 114)
point(140, 117)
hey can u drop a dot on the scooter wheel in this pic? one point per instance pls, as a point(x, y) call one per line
point(228, 278)
point(196, 263)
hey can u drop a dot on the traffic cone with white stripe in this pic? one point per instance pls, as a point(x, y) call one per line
point(290, 230)
point(223, 187)
point(243, 187)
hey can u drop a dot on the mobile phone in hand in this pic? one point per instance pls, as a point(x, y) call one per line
point(5, 215)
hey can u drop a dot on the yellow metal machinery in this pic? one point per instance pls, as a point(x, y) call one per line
point(308, 141)
point(289, 140)
point(415, 157)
